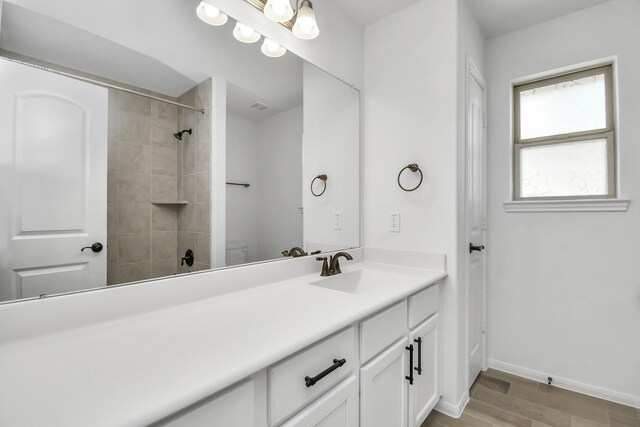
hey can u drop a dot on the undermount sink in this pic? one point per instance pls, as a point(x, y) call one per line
point(359, 281)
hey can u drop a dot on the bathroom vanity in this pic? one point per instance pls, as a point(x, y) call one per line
point(266, 345)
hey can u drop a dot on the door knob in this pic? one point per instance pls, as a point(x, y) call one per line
point(473, 247)
point(96, 247)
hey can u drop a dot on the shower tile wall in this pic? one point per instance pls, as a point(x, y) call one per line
point(143, 158)
point(194, 178)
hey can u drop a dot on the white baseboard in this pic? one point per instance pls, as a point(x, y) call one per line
point(453, 410)
point(566, 383)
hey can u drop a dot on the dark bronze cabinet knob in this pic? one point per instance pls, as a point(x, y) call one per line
point(96, 247)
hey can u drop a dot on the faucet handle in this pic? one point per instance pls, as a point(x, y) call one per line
point(325, 266)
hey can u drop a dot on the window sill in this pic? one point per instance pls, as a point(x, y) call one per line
point(594, 205)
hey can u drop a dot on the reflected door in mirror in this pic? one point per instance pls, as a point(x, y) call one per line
point(53, 151)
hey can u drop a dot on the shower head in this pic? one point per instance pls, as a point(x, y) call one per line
point(178, 135)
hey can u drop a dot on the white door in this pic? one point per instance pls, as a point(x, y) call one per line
point(475, 223)
point(53, 182)
point(338, 408)
point(384, 388)
point(425, 391)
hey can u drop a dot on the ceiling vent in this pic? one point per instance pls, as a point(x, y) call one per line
point(259, 106)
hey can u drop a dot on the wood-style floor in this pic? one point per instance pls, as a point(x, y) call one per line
point(501, 399)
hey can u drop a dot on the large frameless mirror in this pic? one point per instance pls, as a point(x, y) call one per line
point(130, 155)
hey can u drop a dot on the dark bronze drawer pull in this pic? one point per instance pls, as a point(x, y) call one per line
point(410, 376)
point(336, 364)
point(419, 368)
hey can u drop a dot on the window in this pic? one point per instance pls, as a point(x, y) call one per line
point(564, 142)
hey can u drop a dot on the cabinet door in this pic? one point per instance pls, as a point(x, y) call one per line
point(425, 391)
point(337, 408)
point(384, 389)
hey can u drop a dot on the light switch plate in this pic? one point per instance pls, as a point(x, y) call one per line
point(394, 222)
point(337, 221)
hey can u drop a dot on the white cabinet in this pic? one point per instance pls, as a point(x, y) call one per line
point(338, 408)
point(384, 389)
point(244, 404)
point(335, 357)
point(396, 353)
point(425, 391)
point(381, 330)
point(423, 305)
point(401, 386)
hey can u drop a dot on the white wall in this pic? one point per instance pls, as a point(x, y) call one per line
point(280, 175)
point(331, 147)
point(564, 296)
point(243, 204)
point(411, 116)
point(266, 154)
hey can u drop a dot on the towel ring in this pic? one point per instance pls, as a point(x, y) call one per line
point(322, 178)
point(413, 167)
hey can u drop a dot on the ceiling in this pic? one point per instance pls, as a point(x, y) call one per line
point(240, 102)
point(367, 12)
point(497, 17)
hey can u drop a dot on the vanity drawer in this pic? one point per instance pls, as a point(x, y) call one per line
point(423, 304)
point(288, 391)
point(382, 330)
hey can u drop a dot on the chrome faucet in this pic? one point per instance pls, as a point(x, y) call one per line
point(333, 266)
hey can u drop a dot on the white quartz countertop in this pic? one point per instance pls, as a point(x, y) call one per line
point(137, 370)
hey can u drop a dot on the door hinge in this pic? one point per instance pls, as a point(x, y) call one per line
point(484, 223)
point(484, 120)
point(484, 326)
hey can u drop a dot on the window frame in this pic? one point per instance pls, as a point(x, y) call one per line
point(607, 133)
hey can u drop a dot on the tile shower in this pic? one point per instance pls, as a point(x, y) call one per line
point(150, 171)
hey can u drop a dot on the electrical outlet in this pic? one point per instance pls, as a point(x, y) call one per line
point(337, 221)
point(394, 222)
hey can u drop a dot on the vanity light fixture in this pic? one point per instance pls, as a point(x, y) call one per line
point(245, 34)
point(211, 14)
point(302, 23)
point(272, 49)
point(306, 27)
point(278, 10)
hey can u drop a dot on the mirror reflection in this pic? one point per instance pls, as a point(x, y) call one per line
point(121, 163)
point(264, 170)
